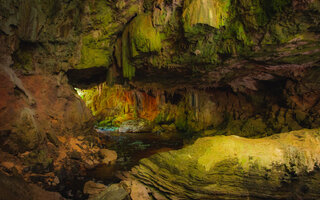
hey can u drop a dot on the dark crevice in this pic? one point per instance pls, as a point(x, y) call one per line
point(18, 91)
point(86, 78)
point(174, 98)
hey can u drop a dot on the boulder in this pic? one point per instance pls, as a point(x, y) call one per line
point(112, 192)
point(109, 156)
point(93, 188)
point(135, 126)
point(282, 166)
point(139, 191)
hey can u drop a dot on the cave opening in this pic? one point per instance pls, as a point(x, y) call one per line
point(86, 78)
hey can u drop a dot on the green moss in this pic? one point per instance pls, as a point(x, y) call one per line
point(254, 127)
point(107, 122)
point(23, 60)
point(144, 38)
point(135, 8)
point(213, 13)
point(94, 58)
point(138, 38)
point(127, 68)
point(233, 127)
point(96, 50)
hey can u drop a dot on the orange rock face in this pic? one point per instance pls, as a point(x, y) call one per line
point(41, 104)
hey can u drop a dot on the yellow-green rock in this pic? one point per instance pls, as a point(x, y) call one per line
point(232, 167)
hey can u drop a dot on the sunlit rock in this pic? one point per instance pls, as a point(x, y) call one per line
point(135, 126)
point(281, 166)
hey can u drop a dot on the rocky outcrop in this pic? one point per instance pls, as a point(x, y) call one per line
point(283, 166)
point(36, 106)
point(135, 126)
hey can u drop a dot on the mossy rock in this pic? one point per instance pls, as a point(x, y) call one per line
point(213, 13)
point(254, 127)
point(138, 39)
point(216, 168)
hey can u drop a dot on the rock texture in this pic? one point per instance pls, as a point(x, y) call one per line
point(93, 188)
point(36, 106)
point(135, 126)
point(283, 166)
point(16, 188)
point(112, 192)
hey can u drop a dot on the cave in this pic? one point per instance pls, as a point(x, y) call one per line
point(164, 100)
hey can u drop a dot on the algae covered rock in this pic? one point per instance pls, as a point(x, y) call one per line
point(135, 126)
point(210, 12)
point(138, 38)
point(282, 166)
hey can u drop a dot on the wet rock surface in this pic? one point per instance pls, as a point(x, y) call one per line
point(135, 126)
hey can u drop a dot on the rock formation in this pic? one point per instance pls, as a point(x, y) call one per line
point(282, 166)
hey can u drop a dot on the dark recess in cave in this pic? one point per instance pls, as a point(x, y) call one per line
point(86, 78)
point(174, 98)
point(273, 90)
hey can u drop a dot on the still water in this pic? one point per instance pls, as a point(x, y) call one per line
point(131, 147)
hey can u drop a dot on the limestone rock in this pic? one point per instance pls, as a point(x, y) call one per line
point(93, 188)
point(282, 166)
point(109, 156)
point(139, 191)
point(112, 192)
point(210, 12)
point(135, 126)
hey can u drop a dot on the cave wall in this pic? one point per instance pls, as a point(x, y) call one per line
point(247, 66)
point(38, 39)
point(202, 67)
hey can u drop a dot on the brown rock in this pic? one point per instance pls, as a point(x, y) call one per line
point(93, 188)
point(28, 110)
point(7, 165)
point(15, 188)
point(109, 156)
point(139, 191)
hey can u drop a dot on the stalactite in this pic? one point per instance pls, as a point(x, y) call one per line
point(100, 88)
